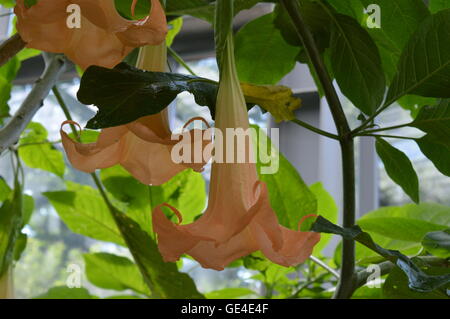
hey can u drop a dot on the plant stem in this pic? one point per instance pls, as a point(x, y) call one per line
point(382, 129)
point(180, 61)
point(345, 286)
point(315, 129)
point(10, 47)
point(390, 136)
point(324, 266)
point(10, 133)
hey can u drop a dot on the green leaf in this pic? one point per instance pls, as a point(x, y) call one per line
point(432, 216)
point(83, 210)
point(186, 191)
point(417, 279)
point(435, 120)
point(8, 3)
point(11, 213)
point(436, 152)
point(414, 103)
point(20, 245)
point(64, 292)
point(438, 243)
point(396, 285)
point(289, 196)
point(205, 9)
point(257, 61)
point(352, 8)
point(5, 190)
point(315, 18)
point(399, 20)
point(37, 153)
point(124, 94)
point(356, 64)
point(424, 67)
point(399, 168)
point(202, 9)
point(229, 293)
point(174, 28)
point(388, 229)
point(164, 279)
point(326, 207)
point(8, 73)
point(438, 5)
point(409, 223)
point(109, 271)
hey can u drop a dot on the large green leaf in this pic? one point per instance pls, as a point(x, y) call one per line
point(435, 120)
point(11, 220)
point(185, 191)
point(438, 243)
point(7, 74)
point(399, 168)
point(438, 153)
point(417, 279)
point(396, 285)
point(110, 271)
point(163, 279)
point(438, 5)
point(402, 227)
point(262, 54)
point(64, 292)
point(289, 196)
point(125, 93)
point(352, 8)
point(204, 9)
point(315, 18)
point(36, 152)
point(424, 67)
point(356, 63)
point(5, 190)
point(326, 207)
point(83, 210)
point(422, 218)
point(399, 20)
point(230, 293)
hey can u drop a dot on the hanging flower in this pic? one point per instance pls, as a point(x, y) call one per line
point(142, 147)
point(104, 38)
point(239, 219)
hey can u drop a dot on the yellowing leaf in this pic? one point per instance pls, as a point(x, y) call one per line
point(278, 100)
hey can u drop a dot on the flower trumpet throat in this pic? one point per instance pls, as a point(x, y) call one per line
point(239, 219)
point(142, 147)
point(103, 37)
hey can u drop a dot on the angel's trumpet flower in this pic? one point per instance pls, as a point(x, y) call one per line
point(142, 147)
point(239, 219)
point(102, 37)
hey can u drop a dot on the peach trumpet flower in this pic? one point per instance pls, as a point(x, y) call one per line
point(103, 37)
point(142, 147)
point(239, 219)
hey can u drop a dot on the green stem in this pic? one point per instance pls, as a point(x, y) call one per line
point(345, 286)
point(320, 263)
point(180, 61)
point(382, 129)
point(390, 136)
point(315, 129)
